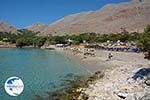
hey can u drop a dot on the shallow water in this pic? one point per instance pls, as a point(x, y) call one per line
point(40, 70)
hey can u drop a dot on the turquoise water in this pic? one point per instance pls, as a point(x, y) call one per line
point(40, 70)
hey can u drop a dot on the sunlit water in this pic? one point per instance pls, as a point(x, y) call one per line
point(40, 70)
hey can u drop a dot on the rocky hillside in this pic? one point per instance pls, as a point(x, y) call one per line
point(4, 27)
point(132, 16)
point(34, 28)
point(37, 27)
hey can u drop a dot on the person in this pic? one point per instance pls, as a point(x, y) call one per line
point(110, 56)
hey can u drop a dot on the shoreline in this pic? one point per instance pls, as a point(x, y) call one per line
point(100, 60)
point(117, 82)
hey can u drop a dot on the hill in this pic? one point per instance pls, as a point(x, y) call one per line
point(37, 27)
point(112, 18)
point(5, 27)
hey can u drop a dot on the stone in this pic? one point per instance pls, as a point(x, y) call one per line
point(146, 97)
point(147, 82)
point(122, 95)
point(130, 97)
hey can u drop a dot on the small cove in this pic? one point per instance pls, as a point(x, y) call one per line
point(41, 70)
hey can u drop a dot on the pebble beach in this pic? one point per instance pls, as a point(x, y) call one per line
point(118, 82)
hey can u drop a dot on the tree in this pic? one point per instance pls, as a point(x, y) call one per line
point(124, 35)
point(24, 41)
point(39, 41)
point(60, 39)
point(144, 42)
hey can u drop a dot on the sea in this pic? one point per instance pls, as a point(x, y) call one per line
point(41, 71)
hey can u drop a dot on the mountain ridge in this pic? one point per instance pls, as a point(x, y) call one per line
point(133, 16)
point(36, 27)
point(5, 27)
point(111, 18)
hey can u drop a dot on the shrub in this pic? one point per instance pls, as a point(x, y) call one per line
point(144, 42)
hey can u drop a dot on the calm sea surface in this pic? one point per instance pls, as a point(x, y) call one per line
point(40, 70)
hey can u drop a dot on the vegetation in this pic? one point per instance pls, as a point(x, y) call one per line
point(93, 37)
point(23, 39)
point(7, 37)
point(28, 38)
point(27, 32)
point(30, 41)
point(38, 41)
point(72, 87)
point(144, 42)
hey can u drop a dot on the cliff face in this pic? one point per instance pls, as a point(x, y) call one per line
point(133, 16)
point(4, 27)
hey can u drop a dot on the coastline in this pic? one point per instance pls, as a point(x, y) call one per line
point(118, 82)
point(118, 72)
point(100, 60)
point(7, 45)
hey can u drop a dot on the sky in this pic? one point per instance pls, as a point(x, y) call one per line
point(21, 13)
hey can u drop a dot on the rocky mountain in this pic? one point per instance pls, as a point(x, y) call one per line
point(4, 27)
point(37, 27)
point(132, 16)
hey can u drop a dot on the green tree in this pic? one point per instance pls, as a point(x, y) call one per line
point(144, 42)
point(124, 36)
point(39, 41)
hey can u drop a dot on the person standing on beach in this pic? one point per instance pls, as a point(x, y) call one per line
point(110, 56)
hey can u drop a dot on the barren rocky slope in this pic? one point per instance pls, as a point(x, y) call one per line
point(133, 16)
point(4, 27)
point(37, 27)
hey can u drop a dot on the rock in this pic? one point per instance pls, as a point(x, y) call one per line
point(146, 97)
point(122, 95)
point(130, 97)
point(112, 18)
point(147, 82)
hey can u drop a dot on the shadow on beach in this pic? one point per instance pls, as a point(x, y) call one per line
point(140, 74)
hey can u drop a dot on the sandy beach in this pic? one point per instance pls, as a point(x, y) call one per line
point(100, 60)
point(7, 45)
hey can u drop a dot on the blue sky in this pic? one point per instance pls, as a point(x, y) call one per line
point(21, 13)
